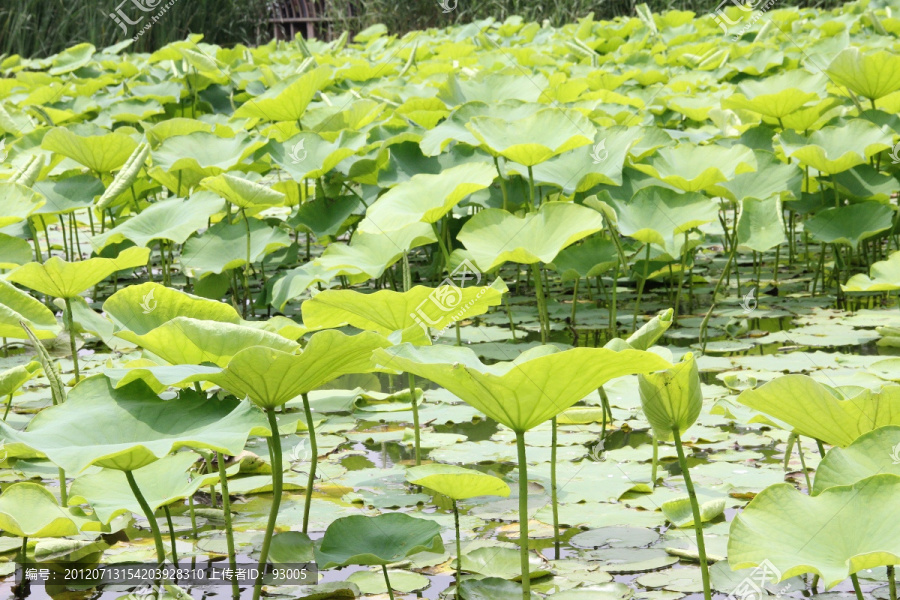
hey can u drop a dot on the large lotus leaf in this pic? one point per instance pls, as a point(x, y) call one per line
point(494, 236)
point(204, 152)
point(672, 399)
point(99, 153)
point(453, 128)
point(18, 203)
point(594, 256)
point(387, 311)
point(308, 155)
point(864, 182)
point(271, 378)
point(538, 385)
point(456, 482)
point(224, 246)
point(426, 197)
point(761, 224)
point(380, 540)
point(657, 215)
point(30, 510)
point(296, 281)
point(242, 192)
point(370, 254)
point(187, 341)
point(834, 149)
point(142, 308)
point(870, 454)
point(14, 378)
point(777, 96)
point(493, 88)
point(61, 279)
point(872, 75)
point(840, 532)
point(174, 220)
point(69, 194)
point(159, 377)
point(287, 100)
point(885, 277)
point(850, 224)
point(533, 139)
point(16, 306)
point(771, 178)
point(324, 217)
point(161, 483)
point(818, 411)
point(131, 427)
point(694, 168)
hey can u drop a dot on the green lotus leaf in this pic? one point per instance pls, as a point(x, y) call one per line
point(538, 385)
point(296, 281)
point(161, 483)
point(14, 378)
point(678, 511)
point(184, 340)
point(61, 279)
point(131, 427)
point(850, 224)
point(872, 75)
point(99, 153)
point(174, 220)
point(592, 257)
point(777, 96)
point(204, 152)
point(820, 412)
point(324, 217)
point(30, 510)
point(694, 168)
point(870, 454)
point(18, 202)
point(761, 224)
point(69, 194)
point(271, 378)
point(159, 377)
point(456, 482)
point(426, 197)
point(533, 139)
point(308, 155)
point(494, 236)
point(224, 246)
point(387, 311)
point(144, 307)
point(771, 178)
point(287, 100)
point(493, 88)
point(242, 192)
point(884, 276)
point(864, 182)
point(370, 254)
point(672, 399)
point(71, 59)
point(380, 540)
point(842, 531)
point(657, 215)
point(836, 148)
point(17, 306)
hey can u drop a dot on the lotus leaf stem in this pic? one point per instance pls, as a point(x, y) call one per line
point(226, 506)
point(148, 512)
point(715, 293)
point(313, 459)
point(640, 290)
point(543, 317)
point(8, 406)
point(655, 463)
point(553, 494)
point(415, 413)
point(63, 492)
point(458, 547)
point(387, 581)
point(684, 251)
point(193, 516)
point(277, 478)
point(803, 465)
point(856, 588)
point(695, 510)
point(892, 582)
point(523, 514)
point(70, 326)
point(171, 534)
point(821, 448)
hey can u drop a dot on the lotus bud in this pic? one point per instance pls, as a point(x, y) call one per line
point(671, 399)
point(652, 330)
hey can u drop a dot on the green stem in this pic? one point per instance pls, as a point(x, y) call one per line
point(226, 506)
point(695, 510)
point(575, 300)
point(553, 497)
point(502, 183)
point(387, 581)
point(512, 327)
point(821, 448)
point(640, 291)
point(655, 464)
point(543, 316)
point(8, 406)
point(171, 534)
point(856, 588)
point(277, 477)
point(712, 305)
point(607, 410)
point(458, 547)
point(63, 491)
point(440, 240)
point(803, 465)
point(148, 512)
point(246, 270)
point(24, 551)
point(684, 250)
point(313, 460)
point(70, 325)
point(523, 515)
point(193, 516)
point(892, 583)
point(415, 412)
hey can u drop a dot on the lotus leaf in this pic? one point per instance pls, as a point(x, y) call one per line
point(61, 279)
point(380, 540)
point(30, 510)
point(456, 482)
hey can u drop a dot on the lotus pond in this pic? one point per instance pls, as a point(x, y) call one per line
point(501, 310)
